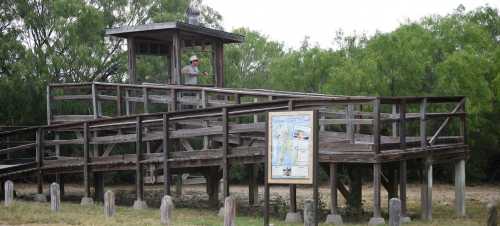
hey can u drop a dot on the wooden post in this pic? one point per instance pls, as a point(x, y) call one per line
point(394, 212)
point(266, 174)
point(225, 150)
point(292, 216)
point(139, 176)
point(460, 188)
point(173, 104)
point(334, 217)
point(86, 200)
point(426, 187)
point(109, 204)
point(229, 211)
point(218, 48)
point(309, 214)
point(9, 193)
point(377, 215)
point(166, 209)
point(253, 187)
point(492, 214)
point(55, 197)
point(40, 148)
point(175, 57)
point(402, 164)
point(350, 130)
point(128, 109)
point(166, 169)
point(132, 77)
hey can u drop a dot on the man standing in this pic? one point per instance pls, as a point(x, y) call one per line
point(191, 72)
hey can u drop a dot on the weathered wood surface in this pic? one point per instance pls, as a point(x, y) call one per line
point(55, 197)
point(229, 211)
point(9, 193)
point(394, 212)
point(109, 204)
point(166, 210)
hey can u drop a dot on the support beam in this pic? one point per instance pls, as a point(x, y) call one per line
point(218, 57)
point(253, 186)
point(402, 190)
point(99, 186)
point(426, 189)
point(39, 159)
point(139, 174)
point(377, 214)
point(225, 149)
point(334, 217)
point(460, 188)
point(166, 147)
point(86, 200)
point(175, 59)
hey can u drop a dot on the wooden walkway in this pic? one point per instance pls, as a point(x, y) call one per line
point(171, 129)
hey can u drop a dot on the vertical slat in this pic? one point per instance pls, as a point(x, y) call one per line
point(376, 126)
point(394, 123)
point(225, 150)
point(145, 97)
point(173, 104)
point(423, 127)
point(49, 106)
point(127, 102)
point(132, 79)
point(138, 166)
point(119, 100)
point(166, 170)
point(351, 135)
point(94, 101)
point(463, 123)
point(204, 104)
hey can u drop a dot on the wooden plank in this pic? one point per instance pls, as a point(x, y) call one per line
point(71, 118)
point(18, 148)
point(73, 97)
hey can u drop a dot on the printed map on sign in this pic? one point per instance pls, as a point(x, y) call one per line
point(291, 144)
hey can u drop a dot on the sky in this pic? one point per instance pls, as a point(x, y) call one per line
point(289, 21)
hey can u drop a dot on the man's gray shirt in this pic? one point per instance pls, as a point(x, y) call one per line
point(190, 74)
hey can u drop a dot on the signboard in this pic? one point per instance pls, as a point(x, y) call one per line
point(290, 148)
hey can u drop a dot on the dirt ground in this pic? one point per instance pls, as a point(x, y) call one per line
point(443, 194)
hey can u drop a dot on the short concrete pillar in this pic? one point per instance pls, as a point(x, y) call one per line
point(309, 216)
point(229, 211)
point(394, 212)
point(166, 209)
point(140, 204)
point(55, 197)
point(9, 193)
point(87, 201)
point(492, 214)
point(109, 204)
point(293, 217)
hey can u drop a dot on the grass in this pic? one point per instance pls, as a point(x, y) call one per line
point(31, 213)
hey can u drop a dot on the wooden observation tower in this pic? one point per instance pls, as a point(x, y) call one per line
point(147, 128)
